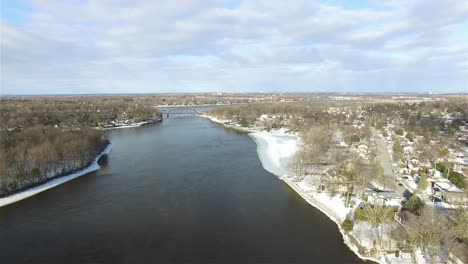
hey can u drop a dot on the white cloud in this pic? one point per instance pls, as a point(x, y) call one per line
point(300, 45)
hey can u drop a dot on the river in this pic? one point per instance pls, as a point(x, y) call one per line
point(185, 190)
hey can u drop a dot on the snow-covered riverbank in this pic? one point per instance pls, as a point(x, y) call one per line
point(138, 124)
point(275, 150)
point(50, 184)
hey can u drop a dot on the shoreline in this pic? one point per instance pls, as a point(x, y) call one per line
point(33, 189)
point(55, 181)
point(133, 125)
point(258, 135)
point(331, 215)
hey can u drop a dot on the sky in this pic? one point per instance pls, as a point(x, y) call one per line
point(147, 46)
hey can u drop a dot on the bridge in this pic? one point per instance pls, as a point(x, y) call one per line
point(178, 111)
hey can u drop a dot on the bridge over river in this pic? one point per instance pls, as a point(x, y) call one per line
point(167, 111)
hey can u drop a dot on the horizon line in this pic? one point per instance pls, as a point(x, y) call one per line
point(220, 92)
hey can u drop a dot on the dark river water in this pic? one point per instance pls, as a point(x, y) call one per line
point(183, 191)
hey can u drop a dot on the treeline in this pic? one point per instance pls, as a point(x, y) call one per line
point(419, 117)
point(312, 113)
point(34, 154)
point(232, 98)
point(72, 112)
point(424, 118)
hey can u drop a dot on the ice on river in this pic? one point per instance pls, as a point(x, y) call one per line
point(275, 150)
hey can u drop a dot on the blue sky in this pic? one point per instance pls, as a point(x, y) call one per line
point(145, 46)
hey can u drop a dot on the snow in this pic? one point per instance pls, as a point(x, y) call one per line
point(444, 185)
point(334, 204)
point(393, 202)
point(364, 233)
point(447, 185)
point(275, 149)
point(35, 190)
point(139, 124)
point(419, 256)
point(412, 184)
point(444, 205)
point(391, 258)
point(308, 184)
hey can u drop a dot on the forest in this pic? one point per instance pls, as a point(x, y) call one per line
point(35, 154)
point(72, 111)
point(46, 137)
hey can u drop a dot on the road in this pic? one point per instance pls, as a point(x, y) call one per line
point(382, 154)
point(386, 163)
point(383, 157)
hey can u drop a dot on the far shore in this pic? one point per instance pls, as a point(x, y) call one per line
point(36, 188)
point(133, 125)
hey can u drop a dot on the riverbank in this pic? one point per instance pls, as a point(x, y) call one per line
point(275, 150)
point(93, 166)
point(133, 125)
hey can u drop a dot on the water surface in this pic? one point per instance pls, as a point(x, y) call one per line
point(184, 191)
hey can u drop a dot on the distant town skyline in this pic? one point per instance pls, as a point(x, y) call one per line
point(94, 47)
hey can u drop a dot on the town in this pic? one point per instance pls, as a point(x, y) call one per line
point(392, 173)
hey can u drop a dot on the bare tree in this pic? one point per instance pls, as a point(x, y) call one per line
point(377, 216)
point(459, 224)
point(429, 232)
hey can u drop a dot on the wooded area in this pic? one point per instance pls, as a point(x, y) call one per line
point(34, 154)
point(72, 112)
point(45, 137)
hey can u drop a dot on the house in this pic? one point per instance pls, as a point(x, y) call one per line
point(401, 216)
point(429, 183)
point(388, 198)
point(363, 149)
point(464, 128)
point(408, 150)
point(460, 164)
point(448, 192)
point(457, 256)
point(454, 197)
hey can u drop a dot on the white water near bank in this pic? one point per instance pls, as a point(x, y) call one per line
point(55, 182)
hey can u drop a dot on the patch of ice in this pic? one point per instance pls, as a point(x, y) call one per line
point(275, 150)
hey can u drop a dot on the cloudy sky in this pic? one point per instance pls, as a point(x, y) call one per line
point(103, 46)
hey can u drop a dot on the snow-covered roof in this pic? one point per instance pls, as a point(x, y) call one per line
point(447, 185)
point(462, 161)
